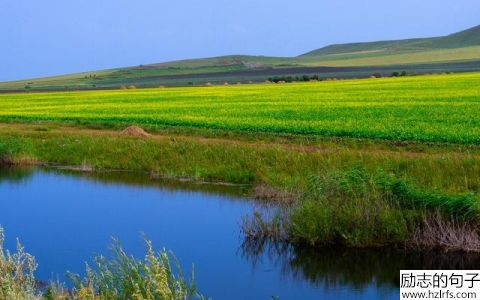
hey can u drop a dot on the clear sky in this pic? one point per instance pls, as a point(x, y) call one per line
point(49, 37)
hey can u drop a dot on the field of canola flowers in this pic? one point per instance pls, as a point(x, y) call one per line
point(433, 108)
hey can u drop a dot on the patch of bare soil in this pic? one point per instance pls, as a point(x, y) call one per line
point(134, 131)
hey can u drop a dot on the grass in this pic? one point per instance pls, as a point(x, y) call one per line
point(440, 109)
point(357, 207)
point(120, 277)
point(384, 58)
point(469, 37)
point(344, 207)
point(276, 163)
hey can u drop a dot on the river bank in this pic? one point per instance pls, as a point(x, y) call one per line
point(339, 191)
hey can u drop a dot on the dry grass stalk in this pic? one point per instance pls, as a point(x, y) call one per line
point(265, 225)
point(451, 235)
point(267, 193)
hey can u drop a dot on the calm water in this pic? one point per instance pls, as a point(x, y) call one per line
point(66, 218)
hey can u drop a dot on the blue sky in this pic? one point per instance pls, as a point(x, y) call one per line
point(49, 37)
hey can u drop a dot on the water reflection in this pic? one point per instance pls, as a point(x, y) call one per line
point(332, 268)
point(133, 179)
point(15, 174)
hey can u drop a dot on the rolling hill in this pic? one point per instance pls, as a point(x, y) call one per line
point(462, 39)
point(457, 52)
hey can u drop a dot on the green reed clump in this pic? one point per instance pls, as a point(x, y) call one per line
point(121, 277)
point(461, 206)
point(346, 207)
point(360, 208)
point(125, 277)
point(11, 149)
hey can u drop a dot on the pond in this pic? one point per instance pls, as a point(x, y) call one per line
point(64, 218)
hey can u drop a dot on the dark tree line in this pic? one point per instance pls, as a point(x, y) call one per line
point(278, 79)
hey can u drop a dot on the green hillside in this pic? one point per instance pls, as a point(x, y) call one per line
point(466, 38)
point(458, 52)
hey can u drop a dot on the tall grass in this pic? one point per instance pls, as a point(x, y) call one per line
point(356, 207)
point(13, 151)
point(125, 277)
point(360, 208)
point(347, 207)
point(17, 280)
point(283, 165)
point(119, 277)
point(460, 206)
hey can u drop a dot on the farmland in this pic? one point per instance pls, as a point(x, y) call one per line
point(439, 108)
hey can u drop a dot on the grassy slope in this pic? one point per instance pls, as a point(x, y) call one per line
point(445, 108)
point(458, 47)
point(398, 58)
point(466, 38)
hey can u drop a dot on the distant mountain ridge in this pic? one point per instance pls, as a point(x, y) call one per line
point(466, 38)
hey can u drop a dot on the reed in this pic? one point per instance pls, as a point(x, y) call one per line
point(355, 207)
point(157, 276)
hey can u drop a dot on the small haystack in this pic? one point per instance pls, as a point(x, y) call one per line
point(134, 131)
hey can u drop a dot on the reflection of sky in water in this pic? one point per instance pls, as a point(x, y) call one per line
point(65, 219)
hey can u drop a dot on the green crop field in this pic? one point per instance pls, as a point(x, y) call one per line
point(436, 108)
